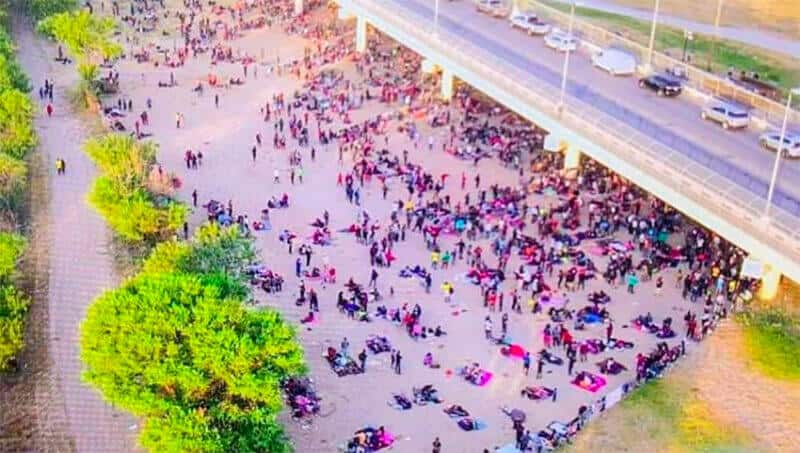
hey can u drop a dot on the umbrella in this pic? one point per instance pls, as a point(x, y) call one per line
point(517, 415)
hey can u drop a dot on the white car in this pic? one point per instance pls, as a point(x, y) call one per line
point(561, 41)
point(791, 143)
point(530, 23)
point(615, 61)
point(729, 114)
point(496, 8)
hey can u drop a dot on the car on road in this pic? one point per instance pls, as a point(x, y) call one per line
point(615, 61)
point(561, 41)
point(727, 113)
point(496, 8)
point(791, 143)
point(529, 23)
point(662, 84)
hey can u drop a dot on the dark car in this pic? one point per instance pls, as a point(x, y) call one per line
point(661, 84)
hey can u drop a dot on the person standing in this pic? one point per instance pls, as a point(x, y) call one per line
point(362, 360)
point(609, 331)
point(397, 359)
point(194, 198)
point(487, 327)
point(437, 446)
point(345, 345)
point(373, 279)
point(526, 362)
point(539, 367)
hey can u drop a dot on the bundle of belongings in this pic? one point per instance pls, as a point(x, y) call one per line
point(341, 364)
point(378, 344)
point(610, 366)
point(537, 393)
point(426, 394)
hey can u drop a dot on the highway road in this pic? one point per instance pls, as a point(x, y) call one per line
point(674, 122)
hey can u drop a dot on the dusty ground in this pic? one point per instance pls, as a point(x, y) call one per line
point(225, 136)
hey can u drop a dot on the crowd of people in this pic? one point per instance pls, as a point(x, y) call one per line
point(531, 246)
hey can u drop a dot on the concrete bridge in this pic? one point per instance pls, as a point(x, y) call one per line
point(716, 177)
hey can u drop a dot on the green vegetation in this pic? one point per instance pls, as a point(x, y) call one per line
point(176, 346)
point(772, 342)
point(665, 414)
point(775, 68)
point(89, 39)
point(131, 193)
point(17, 139)
point(41, 9)
point(13, 305)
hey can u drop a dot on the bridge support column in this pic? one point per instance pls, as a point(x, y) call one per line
point(344, 14)
point(572, 158)
point(298, 7)
point(770, 281)
point(361, 34)
point(447, 84)
point(428, 66)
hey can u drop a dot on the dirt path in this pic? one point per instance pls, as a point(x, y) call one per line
point(79, 267)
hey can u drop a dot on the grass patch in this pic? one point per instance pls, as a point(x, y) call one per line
point(779, 69)
point(665, 415)
point(772, 343)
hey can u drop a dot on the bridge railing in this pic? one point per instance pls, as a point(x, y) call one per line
point(715, 192)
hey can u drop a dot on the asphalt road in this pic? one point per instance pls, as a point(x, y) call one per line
point(674, 122)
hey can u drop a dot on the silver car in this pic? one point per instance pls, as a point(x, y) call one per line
point(530, 23)
point(791, 143)
point(496, 8)
point(729, 114)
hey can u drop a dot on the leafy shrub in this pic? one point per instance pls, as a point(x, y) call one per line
point(17, 134)
point(40, 9)
point(202, 370)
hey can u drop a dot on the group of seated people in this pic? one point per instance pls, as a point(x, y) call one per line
point(610, 366)
point(474, 374)
point(645, 322)
point(342, 364)
point(652, 365)
point(268, 280)
point(278, 203)
point(369, 439)
point(301, 397)
point(378, 344)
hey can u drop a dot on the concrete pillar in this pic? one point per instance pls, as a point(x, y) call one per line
point(298, 7)
point(770, 282)
point(344, 14)
point(428, 66)
point(572, 158)
point(447, 84)
point(361, 34)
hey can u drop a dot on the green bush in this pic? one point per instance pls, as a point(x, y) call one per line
point(772, 340)
point(17, 134)
point(13, 176)
point(87, 37)
point(183, 353)
point(122, 159)
point(12, 247)
point(40, 9)
point(11, 73)
point(13, 307)
point(136, 217)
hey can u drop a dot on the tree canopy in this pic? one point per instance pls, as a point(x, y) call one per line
point(17, 134)
point(40, 9)
point(86, 36)
point(204, 371)
point(121, 194)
